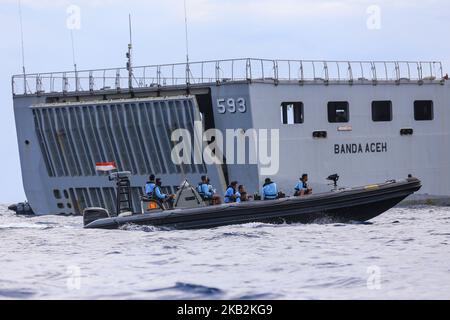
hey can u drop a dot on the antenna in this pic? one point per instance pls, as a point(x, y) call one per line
point(74, 60)
point(73, 50)
point(22, 47)
point(129, 56)
point(188, 69)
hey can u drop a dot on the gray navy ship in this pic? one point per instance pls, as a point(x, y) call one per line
point(369, 121)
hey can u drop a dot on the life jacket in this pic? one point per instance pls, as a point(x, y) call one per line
point(238, 197)
point(230, 198)
point(270, 191)
point(150, 189)
point(305, 186)
point(155, 194)
point(200, 190)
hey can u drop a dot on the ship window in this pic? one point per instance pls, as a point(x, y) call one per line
point(292, 112)
point(338, 112)
point(57, 194)
point(382, 111)
point(423, 110)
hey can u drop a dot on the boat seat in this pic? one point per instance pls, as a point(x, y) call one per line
point(146, 198)
point(148, 201)
point(153, 204)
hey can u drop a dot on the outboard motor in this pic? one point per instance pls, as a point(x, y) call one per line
point(334, 178)
point(93, 214)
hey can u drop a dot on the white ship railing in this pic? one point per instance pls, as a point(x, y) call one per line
point(232, 70)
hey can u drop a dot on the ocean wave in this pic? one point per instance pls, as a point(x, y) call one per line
point(238, 234)
point(16, 293)
point(189, 291)
point(149, 229)
point(246, 262)
point(37, 226)
point(258, 296)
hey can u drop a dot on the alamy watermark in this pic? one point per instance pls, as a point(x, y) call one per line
point(73, 281)
point(374, 279)
point(254, 146)
point(374, 17)
point(73, 21)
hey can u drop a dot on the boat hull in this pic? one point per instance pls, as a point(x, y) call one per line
point(355, 205)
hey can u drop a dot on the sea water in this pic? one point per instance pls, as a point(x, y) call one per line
point(403, 254)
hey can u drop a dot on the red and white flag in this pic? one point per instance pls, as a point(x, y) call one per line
point(105, 166)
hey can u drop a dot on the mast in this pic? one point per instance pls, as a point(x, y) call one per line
point(130, 56)
point(74, 60)
point(188, 69)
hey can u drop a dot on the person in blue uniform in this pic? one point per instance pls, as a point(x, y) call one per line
point(206, 191)
point(232, 195)
point(159, 195)
point(150, 186)
point(302, 188)
point(270, 190)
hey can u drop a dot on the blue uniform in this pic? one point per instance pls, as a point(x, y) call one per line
point(230, 196)
point(270, 191)
point(238, 197)
point(159, 194)
point(204, 191)
point(300, 186)
point(150, 188)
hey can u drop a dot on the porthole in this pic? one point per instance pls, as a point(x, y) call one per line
point(57, 194)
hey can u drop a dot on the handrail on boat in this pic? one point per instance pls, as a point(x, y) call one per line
point(222, 71)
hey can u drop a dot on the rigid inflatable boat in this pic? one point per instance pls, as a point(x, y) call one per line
point(190, 212)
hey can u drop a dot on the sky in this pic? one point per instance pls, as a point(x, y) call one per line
point(218, 29)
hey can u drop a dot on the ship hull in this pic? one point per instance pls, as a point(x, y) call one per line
point(62, 133)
